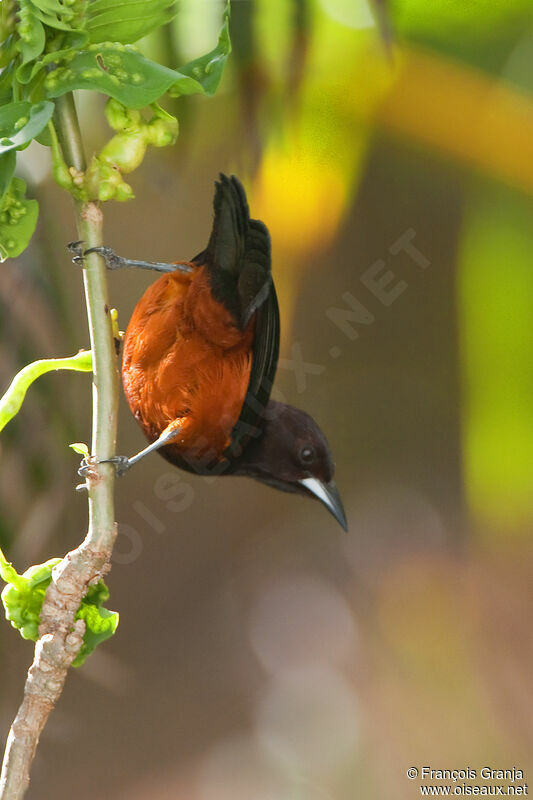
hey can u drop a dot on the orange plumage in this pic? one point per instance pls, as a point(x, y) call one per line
point(186, 360)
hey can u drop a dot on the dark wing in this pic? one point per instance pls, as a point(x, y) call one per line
point(264, 363)
point(238, 253)
point(239, 263)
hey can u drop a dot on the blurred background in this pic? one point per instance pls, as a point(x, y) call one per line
point(263, 654)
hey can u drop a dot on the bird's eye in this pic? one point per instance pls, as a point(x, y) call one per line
point(307, 455)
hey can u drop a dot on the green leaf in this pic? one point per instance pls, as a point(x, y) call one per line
point(55, 14)
point(32, 36)
point(100, 623)
point(23, 597)
point(206, 71)
point(18, 218)
point(53, 22)
point(12, 400)
point(8, 45)
point(115, 70)
point(7, 167)
point(127, 21)
point(124, 74)
point(50, 6)
point(80, 448)
point(7, 18)
point(44, 137)
point(73, 41)
point(22, 122)
point(6, 84)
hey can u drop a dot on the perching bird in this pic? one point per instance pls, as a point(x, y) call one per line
point(200, 355)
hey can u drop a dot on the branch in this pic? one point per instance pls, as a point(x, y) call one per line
point(60, 636)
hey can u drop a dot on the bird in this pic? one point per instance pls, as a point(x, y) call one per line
point(199, 359)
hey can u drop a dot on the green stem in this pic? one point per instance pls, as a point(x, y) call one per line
point(68, 131)
point(105, 384)
point(61, 635)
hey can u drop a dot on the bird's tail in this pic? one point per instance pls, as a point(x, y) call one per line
point(238, 253)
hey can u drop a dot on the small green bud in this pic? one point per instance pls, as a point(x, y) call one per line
point(106, 191)
point(62, 176)
point(124, 192)
point(121, 118)
point(162, 132)
point(125, 150)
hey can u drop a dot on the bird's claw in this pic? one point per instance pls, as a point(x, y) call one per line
point(108, 254)
point(76, 249)
point(122, 465)
point(85, 467)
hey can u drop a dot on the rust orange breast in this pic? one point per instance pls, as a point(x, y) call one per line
point(184, 357)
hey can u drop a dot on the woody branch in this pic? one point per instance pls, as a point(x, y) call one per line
point(60, 635)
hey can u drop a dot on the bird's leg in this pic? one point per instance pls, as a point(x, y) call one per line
point(123, 463)
point(113, 261)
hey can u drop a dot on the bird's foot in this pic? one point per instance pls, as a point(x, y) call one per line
point(122, 465)
point(76, 249)
point(112, 261)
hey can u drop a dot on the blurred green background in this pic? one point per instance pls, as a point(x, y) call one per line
point(262, 654)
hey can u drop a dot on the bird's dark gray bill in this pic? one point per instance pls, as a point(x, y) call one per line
point(328, 494)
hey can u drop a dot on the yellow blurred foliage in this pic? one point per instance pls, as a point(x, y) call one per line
point(469, 116)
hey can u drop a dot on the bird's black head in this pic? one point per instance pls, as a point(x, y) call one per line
point(292, 454)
